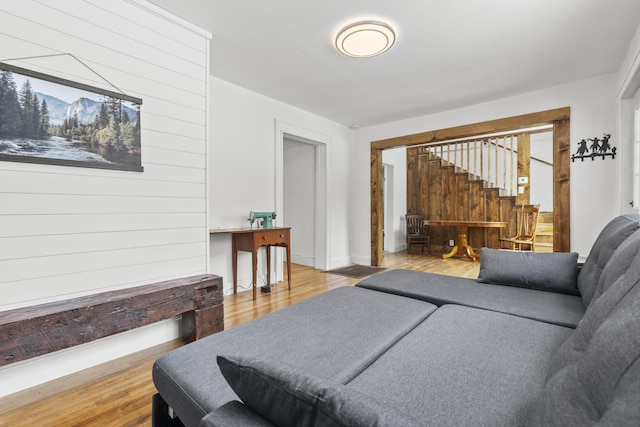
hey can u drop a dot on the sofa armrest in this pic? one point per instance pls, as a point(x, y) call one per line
point(234, 414)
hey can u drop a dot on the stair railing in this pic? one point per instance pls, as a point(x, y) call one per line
point(492, 159)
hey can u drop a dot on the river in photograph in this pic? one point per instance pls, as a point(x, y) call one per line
point(52, 148)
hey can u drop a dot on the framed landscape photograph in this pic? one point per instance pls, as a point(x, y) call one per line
point(46, 119)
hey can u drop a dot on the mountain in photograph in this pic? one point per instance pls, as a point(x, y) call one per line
point(85, 108)
point(57, 108)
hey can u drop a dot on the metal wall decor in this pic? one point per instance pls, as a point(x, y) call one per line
point(598, 147)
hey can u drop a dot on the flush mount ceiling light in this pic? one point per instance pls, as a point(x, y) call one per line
point(365, 39)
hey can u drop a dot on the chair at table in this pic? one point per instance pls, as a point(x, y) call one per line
point(417, 233)
point(527, 223)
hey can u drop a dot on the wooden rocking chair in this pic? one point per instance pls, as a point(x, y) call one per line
point(417, 232)
point(526, 229)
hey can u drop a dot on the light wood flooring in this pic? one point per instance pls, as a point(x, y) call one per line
point(119, 393)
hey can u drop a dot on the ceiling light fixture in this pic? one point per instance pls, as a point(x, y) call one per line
point(365, 39)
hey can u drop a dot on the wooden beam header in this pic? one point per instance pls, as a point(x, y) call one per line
point(476, 129)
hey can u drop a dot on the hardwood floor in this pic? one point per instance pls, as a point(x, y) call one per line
point(119, 393)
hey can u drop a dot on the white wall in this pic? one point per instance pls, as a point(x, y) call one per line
point(594, 185)
point(628, 101)
point(68, 231)
point(396, 234)
point(244, 175)
point(541, 183)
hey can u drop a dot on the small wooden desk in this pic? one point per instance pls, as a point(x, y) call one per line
point(250, 240)
point(463, 247)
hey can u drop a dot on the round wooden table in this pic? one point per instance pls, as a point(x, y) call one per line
point(462, 246)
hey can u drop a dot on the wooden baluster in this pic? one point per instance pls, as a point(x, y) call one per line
point(475, 158)
point(489, 142)
point(482, 159)
point(455, 154)
point(496, 147)
point(504, 163)
point(468, 165)
point(511, 186)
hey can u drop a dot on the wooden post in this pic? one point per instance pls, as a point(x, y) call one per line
point(523, 195)
point(377, 206)
point(561, 175)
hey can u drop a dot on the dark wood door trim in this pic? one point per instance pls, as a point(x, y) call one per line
point(559, 118)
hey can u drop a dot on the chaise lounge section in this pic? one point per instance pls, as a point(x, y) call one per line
point(536, 340)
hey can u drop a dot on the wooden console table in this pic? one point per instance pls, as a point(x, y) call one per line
point(462, 247)
point(250, 240)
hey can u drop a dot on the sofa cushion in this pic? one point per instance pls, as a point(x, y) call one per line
point(599, 381)
point(304, 335)
point(288, 397)
point(611, 236)
point(628, 254)
point(550, 307)
point(618, 265)
point(556, 272)
point(234, 414)
point(465, 366)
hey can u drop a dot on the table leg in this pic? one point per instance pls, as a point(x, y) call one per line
point(465, 248)
point(268, 266)
point(289, 266)
point(234, 262)
point(462, 248)
point(453, 252)
point(254, 265)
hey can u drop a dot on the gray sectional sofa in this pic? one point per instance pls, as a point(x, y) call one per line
point(535, 340)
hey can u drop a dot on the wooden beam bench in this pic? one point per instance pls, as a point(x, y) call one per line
point(40, 329)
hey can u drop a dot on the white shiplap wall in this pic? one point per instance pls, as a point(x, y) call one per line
point(67, 231)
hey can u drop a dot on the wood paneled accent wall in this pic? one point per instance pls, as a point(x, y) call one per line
point(559, 118)
point(438, 189)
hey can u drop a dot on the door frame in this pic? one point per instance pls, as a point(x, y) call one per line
point(559, 118)
point(321, 142)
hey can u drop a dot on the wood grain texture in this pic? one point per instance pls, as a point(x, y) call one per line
point(377, 207)
point(118, 393)
point(477, 209)
point(561, 185)
point(524, 168)
point(36, 330)
point(476, 129)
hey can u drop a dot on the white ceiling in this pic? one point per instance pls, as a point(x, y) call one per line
point(448, 53)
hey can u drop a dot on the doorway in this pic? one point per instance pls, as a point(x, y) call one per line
point(306, 206)
point(389, 211)
point(558, 118)
point(299, 198)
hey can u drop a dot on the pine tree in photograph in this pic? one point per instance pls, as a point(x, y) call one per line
point(10, 109)
point(44, 120)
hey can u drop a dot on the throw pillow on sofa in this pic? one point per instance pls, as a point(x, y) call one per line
point(287, 397)
point(556, 272)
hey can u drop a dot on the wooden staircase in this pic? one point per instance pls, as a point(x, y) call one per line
point(438, 189)
point(544, 232)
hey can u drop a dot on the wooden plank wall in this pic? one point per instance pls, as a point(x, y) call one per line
point(438, 190)
point(69, 231)
point(559, 117)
